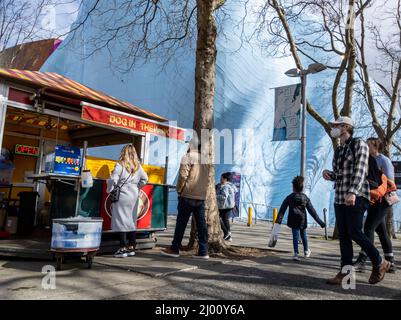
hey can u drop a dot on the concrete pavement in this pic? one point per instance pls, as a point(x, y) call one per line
point(149, 275)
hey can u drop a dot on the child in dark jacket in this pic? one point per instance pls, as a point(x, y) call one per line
point(298, 202)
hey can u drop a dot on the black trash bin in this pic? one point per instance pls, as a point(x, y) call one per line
point(26, 213)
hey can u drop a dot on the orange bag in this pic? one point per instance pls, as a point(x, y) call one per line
point(376, 195)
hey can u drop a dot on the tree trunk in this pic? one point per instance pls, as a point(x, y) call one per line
point(351, 55)
point(205, 74)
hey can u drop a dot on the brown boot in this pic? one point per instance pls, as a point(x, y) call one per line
point(170, 252)
point(379, 272)
point(337, 280)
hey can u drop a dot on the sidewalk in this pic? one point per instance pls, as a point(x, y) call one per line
point(149, 275)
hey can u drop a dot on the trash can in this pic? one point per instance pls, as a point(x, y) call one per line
point(26, 213)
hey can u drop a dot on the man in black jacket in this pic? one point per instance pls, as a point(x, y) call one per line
point(298, 203)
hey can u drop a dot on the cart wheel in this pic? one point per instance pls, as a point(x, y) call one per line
point(59, 262)
point(89, 261)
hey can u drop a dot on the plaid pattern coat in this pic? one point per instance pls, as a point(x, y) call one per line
point(351, 170)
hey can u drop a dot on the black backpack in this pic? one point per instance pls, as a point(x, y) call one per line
point(374, 173)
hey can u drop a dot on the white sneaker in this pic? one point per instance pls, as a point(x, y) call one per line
point(131, 253)
point(121, 254)
point(307, 253)
point(206, 257)
point(230, 239)
point(295, 257)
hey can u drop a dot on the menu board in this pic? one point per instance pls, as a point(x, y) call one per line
point(67, 160)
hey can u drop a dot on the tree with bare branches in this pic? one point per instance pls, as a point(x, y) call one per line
point(162, 30)
point(23, 21)
point(333, 32)
point(387, 97)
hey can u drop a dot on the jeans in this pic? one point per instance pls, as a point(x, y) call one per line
point(349, 221)
point(224, 220)
point(376, 221)
point(185, 208)
point(127, 239)
point(295, 239)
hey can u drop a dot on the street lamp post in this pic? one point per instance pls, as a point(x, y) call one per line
point(303, 125)
point(312, 68)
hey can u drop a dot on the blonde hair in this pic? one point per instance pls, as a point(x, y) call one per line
point(129, 158)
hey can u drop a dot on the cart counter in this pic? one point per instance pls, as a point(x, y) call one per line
point(94, 202)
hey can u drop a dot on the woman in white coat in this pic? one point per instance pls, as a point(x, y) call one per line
point(130, 176)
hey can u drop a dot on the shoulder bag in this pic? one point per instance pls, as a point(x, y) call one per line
point(115, 193)
point(391, 198)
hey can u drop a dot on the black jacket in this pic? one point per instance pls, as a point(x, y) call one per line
point(297, 218)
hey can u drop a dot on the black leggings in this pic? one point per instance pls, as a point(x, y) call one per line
point(224, 220)
point(127, 239)
point(376, 221)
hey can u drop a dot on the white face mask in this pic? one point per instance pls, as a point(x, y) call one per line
point(335, 133)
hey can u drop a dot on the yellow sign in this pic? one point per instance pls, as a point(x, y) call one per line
point(102, 169)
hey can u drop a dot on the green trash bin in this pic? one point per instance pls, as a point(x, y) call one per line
point(26, 213)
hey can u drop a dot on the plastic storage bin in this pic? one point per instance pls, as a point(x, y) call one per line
point(76, 233)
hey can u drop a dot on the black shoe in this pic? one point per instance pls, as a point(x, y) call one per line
point(393, 267)
point(227, 236)
point(360, 263)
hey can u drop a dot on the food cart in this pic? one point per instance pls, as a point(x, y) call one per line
point(49, 123)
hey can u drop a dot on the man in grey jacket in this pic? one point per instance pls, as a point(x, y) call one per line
point(191, 188)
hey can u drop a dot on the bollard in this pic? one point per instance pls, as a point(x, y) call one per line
point(249, 217)
point(325, 222)
point(274, 215)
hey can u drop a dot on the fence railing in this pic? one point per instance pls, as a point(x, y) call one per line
point(264, 212)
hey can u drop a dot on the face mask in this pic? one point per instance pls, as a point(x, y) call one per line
point(335, 133)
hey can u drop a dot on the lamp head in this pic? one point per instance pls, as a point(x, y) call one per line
point(316, 67)
point(293, 72)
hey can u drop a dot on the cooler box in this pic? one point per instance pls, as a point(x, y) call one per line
point(76, 233)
